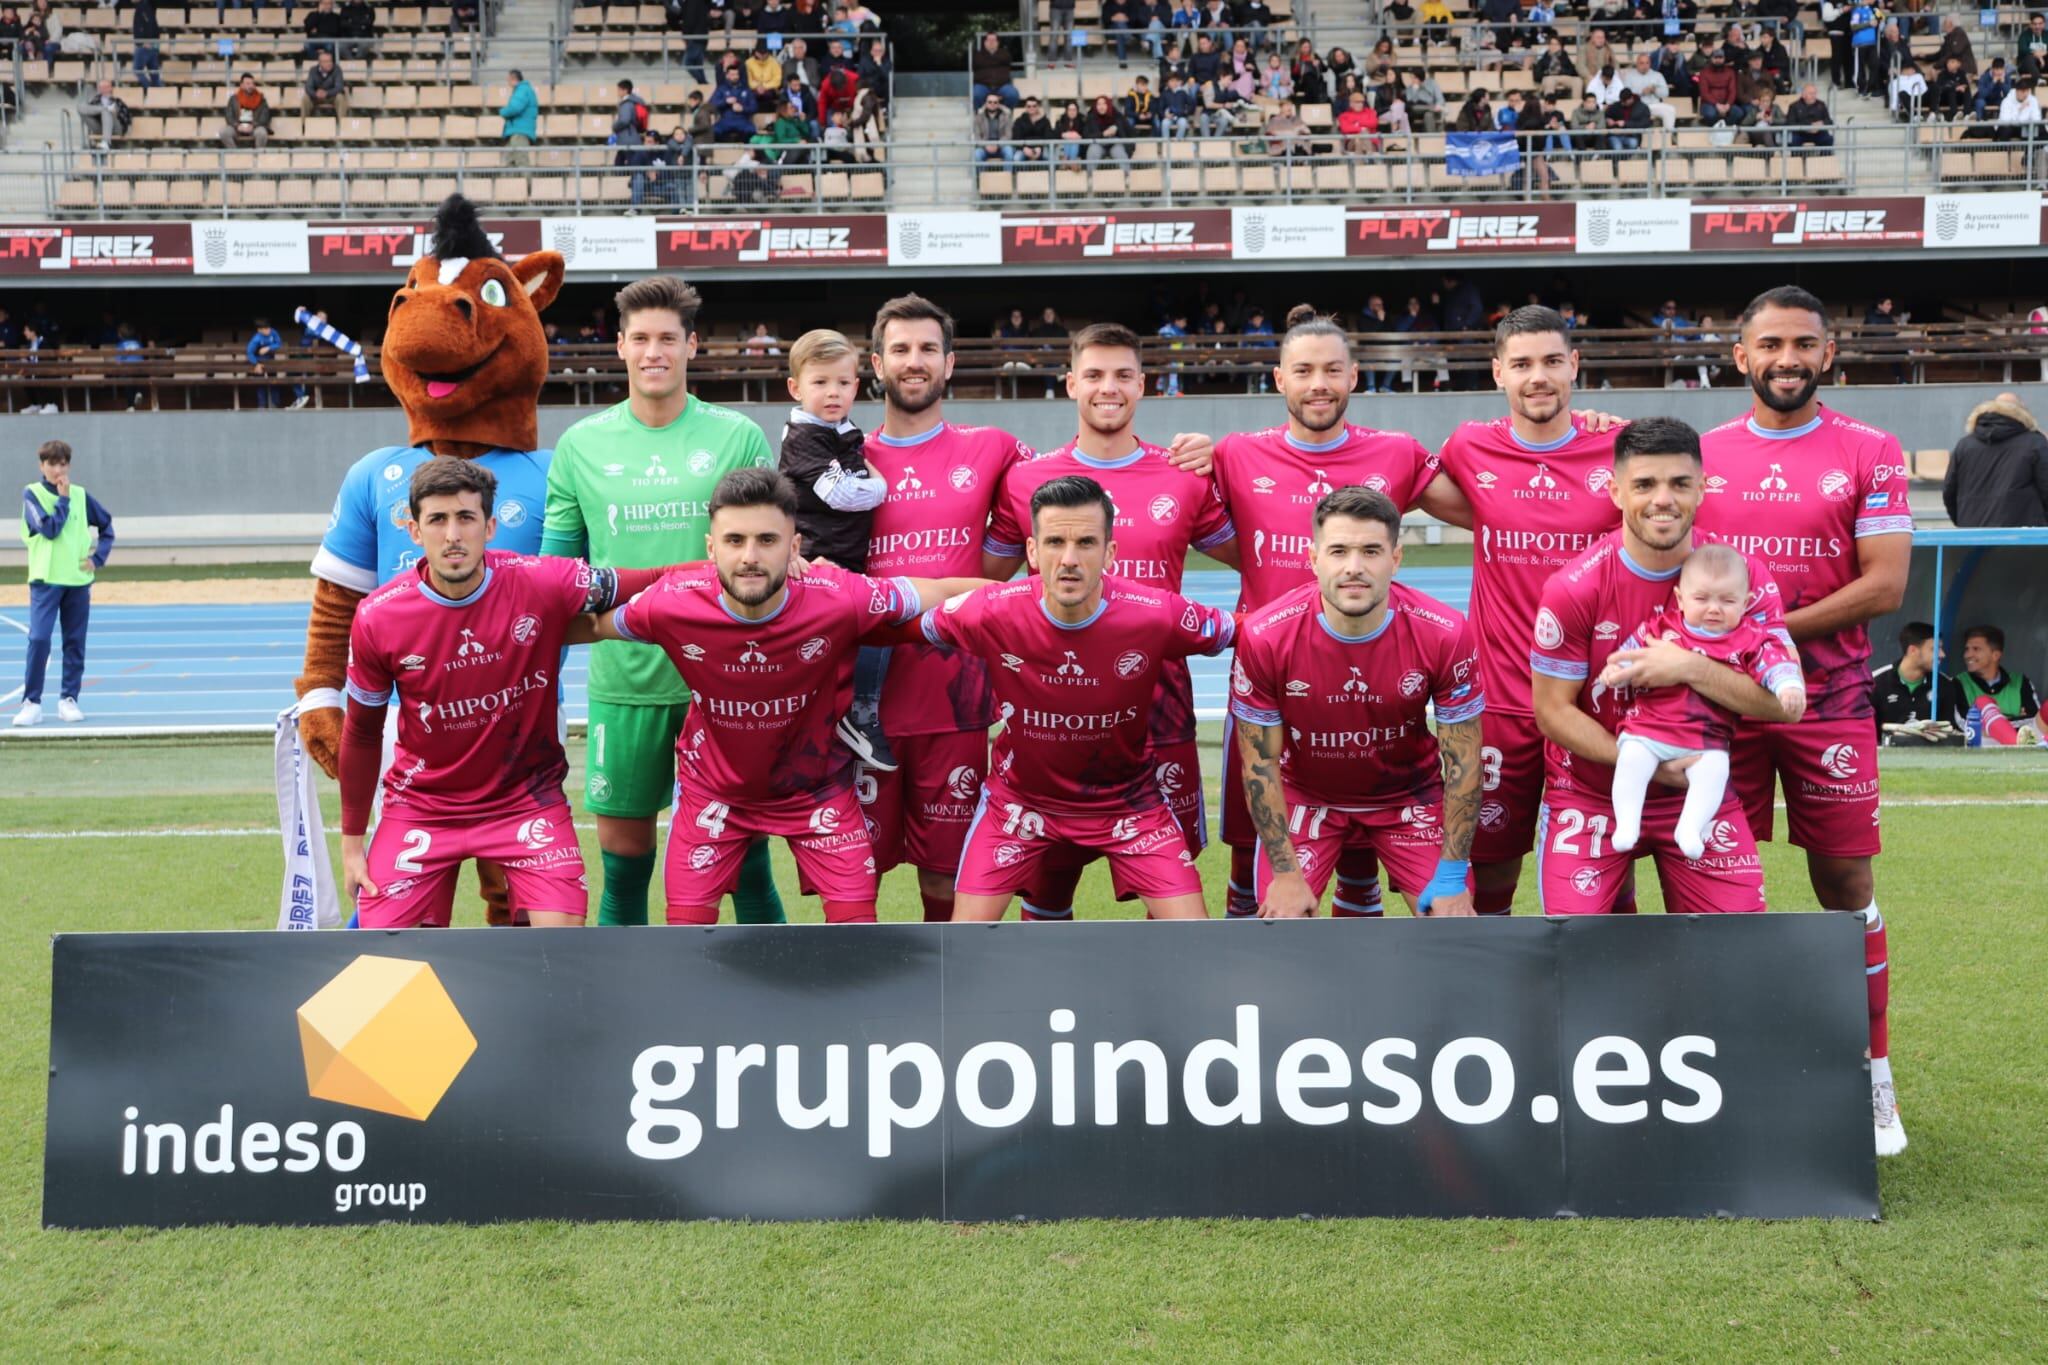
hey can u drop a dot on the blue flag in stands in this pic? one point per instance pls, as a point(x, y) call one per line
point(1481, 153)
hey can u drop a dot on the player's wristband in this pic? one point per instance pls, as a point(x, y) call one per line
point(1448, 880)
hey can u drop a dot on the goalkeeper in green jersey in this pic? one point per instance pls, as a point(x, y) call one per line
point(630, 487)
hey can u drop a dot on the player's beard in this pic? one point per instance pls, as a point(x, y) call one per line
point(1760, 382)
point(751, 592)
point(1298, 410)
point(1656, 538)
point(1372, 602)
point(1539, 408)
point(933, 391)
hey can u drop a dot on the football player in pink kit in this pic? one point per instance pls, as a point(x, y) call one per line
point(1534, 485)
point(1822, 500)
point(1270, 482)
point(944, 480)
point(1075, 659)
point(770, 659)
point(470, 643)
point(1331, 690)
point(1161, 511)
point(1627, 576)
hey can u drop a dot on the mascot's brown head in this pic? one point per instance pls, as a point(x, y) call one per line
point(463, 348)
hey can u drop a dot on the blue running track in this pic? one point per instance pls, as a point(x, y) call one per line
point(231, 667)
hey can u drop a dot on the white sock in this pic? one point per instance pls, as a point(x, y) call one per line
point(1880, 1070)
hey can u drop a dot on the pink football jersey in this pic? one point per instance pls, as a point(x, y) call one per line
point(1160, 512)
point(1800, 500)
point(941, 486)
point(1582, 620)
point(1534, 508)
point(1073, 699)
point(1356, 710)
point(475, 682)
point(1271, 484)
point(768, 693)
point(1681, 716)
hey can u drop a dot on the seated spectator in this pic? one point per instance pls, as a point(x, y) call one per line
point(1606, 86)
point(764, 72)
point(246, 117)
point(1177, 108)
point(1360, 125)
point(1311, 80)
point(1628, 118)
point(1030, 131)
point(746, 181)
point(1998, 473)
point(733, 108)
point(698, 117)
point(873, 71)
point(993, 70)
point(1588, 124)
point(1652, 89)
point(1555, 63)
point(1286, 133)
point(2031, 50)
point(806, 104)
point(326, 88)
point(1508, 118)
point(2019, 113)
point(640, 163)
point(799, 65)
point(1598, 52)
point(104, 115)
point(991, 131)
point(788, 134)
point(1475, 115)
point(1807, 120)
point(1671, 65)
point(1900, 691)
point(1952, 92)
point(1424, 100)
point(10, 30)
point(1175, 63)
point(1765, 127)
point(1106, 133)
point(358, 27)
point(1984, 675)
point(1908, 89)
point(323, 30)
point(1775, 60)
point(1720, 92)
point(1070, 130)
point(771, 17)
point(1241, 70)
point(1992, 87)
point(1277, 84)
point(464, 16)
point(1436, 22)
point(1141, 111)
point(1205, 67)
point(1220, 106)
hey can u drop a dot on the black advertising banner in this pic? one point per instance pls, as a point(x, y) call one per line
point(1666, 1066)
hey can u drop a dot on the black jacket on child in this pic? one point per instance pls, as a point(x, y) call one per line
point(836, 492)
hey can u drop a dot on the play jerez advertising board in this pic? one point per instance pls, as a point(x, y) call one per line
point(1526, 1068)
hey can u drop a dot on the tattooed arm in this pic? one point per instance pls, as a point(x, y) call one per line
point(1260, 747)
point(1458, 747)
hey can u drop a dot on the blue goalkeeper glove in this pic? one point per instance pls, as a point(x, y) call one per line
point(1448, 881)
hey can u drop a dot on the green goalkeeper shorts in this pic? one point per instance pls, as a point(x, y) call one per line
point(631, 766)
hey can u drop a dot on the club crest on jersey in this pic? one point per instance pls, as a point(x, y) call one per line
point(1008, 854)
point(702, 856)
point(1242, 685)
point(1836, 485)
point(1586, 880)
point(1412, 683)
point(1492, 814)
point(525, 628)
point(512, 513)
point(1377, 483)
point(810, 649)
point(1599, 479)
point(401, 515)
point(962, 478)
point(1772, 487)
point(1131, 663)
point(1164, 508)
point(536, 833)
point(1549, 633)
point(700, 462)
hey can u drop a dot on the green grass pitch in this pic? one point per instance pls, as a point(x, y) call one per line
point(1957, 1271)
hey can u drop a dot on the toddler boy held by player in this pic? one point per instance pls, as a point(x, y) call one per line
point(837, 494)
point(1662, 724)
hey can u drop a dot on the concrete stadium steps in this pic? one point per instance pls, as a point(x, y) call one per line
point(926, 179)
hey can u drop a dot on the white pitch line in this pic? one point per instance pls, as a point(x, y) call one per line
point(1903, 803)
point(9, 620)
